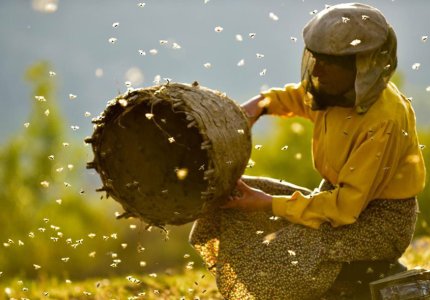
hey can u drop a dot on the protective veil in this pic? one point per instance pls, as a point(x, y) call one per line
point(352, 29)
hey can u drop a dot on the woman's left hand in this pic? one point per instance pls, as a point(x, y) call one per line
point(249, 199)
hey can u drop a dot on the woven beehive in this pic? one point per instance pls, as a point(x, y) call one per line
point(169, 153)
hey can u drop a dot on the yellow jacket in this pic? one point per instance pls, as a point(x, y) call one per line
point(368, 156)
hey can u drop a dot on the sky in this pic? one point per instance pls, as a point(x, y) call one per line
point(98, 48)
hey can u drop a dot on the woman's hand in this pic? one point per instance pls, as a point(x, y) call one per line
point(253, 108)
point(249, 199)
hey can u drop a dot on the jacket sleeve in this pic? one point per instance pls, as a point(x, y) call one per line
point(370, 167)
point(289, 101)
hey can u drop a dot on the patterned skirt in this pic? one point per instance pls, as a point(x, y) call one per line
point(255, 255)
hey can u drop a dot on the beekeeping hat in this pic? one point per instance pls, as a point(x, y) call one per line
point(354, 29)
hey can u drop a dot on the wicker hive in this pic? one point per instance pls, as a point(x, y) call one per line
point(170, 153)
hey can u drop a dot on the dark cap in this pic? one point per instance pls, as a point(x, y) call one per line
point(345, 29)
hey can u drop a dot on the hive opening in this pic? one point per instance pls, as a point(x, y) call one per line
point(169, 153)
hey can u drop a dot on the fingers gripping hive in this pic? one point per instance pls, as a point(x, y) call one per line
point(169, 153)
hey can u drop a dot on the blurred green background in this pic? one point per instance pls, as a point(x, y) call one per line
point(54, 224)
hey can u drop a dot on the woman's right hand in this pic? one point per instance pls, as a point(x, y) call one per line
point(253, 108)
point(249, 199)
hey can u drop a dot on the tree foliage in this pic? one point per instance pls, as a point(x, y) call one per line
point(52, 220)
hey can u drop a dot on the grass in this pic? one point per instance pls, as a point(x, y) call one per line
point(417, 254)
point(188, 284)
point(192, 284)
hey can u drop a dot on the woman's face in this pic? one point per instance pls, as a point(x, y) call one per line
point(333, 75)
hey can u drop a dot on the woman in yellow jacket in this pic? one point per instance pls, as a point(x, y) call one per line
point(330, 242)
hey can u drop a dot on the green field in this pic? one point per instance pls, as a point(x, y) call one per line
point(190, 284)
point(187, 284)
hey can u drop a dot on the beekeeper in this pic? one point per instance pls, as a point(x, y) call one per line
point(365, 147)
